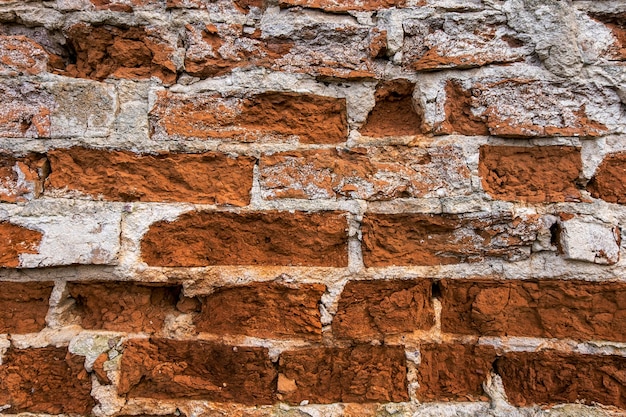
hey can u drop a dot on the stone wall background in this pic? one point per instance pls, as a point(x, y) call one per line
point(312, 207)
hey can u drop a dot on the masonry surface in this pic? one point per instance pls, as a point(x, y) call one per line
point(312, 208)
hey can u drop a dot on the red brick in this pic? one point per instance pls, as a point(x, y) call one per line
point(108, 51)
point(394, 113)
point(15, 240)
point(47, 380)
point(21, 178)
point(216, 49)
point(523, 108)
point(176, 369)
point(459, 40)
point(208, 178)
point(26, 110)
point(123, 306)
point(24, 306)
point(608, 183)
point(551, 377)
point(372, 173)
point(560, 309)
point(344, 5)
point(265, 310)
point(21, 55)
point(269, 116)
point(452, 372)
point(373, 309)
point(536, 175)
point(360, 374)
point(427, 239)
point(249, 238)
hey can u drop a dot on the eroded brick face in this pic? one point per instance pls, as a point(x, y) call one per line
point(268, 238)
point(206, 178)
point(607, 181)
point(372, 173)
point(24, 306)
point(373, 309)
point(546, 308)
point(126, 307)
point(360, 374)
point(21, 178)
point(537, 174)
point(21, 55)
point(162, 368)
point(134, 52)
point(394, 114)
point(266, 310)
point(14, 241)
point(47, 380)
point(427, 239)
point(269, 116)
point(453, 372)
point(26, 112)
point(518, 108)
point(551, 377)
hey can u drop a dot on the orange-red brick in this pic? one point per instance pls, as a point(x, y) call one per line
point(563, 309)
point(248, 238)
point(207, 178)
point(177, 369)
point(551, 377)
point(441, 239)
point(24, 306)
point(266, 310)
point(47, 380)
point(270, 116)
point(373, 309)
point(453, 372)
point(15, 240)
point(536, 174)
point(609, 181)
point(359, 374)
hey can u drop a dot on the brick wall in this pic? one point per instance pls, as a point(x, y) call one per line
point(307, 208)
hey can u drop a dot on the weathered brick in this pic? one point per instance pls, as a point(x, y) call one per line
point(108, 51)
point(526, 108)
point(370, 310)
point(215, 49)
point(21, 178)
point(171, 369)
point(455, 40)
point(125, 307)
point(208, 178)
point(608, 181)
point(63, 233)
point(266, 310)
point(83, 108)
point(536, 174)
point(24, 306)
point(14, 241)
point(372, 173)
point(589, 240)
point(342, 6)
point(335, 49)
point(48, 380)
point(362, 373)
point(21, 55)
point(125, 5)
point(551, 377)
point(616, 22)
point(252, 238)
point(394, 113)
point(427, 239)
point(453, 372)
point(547, 308)
point(270, 116)
point(26, 110)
